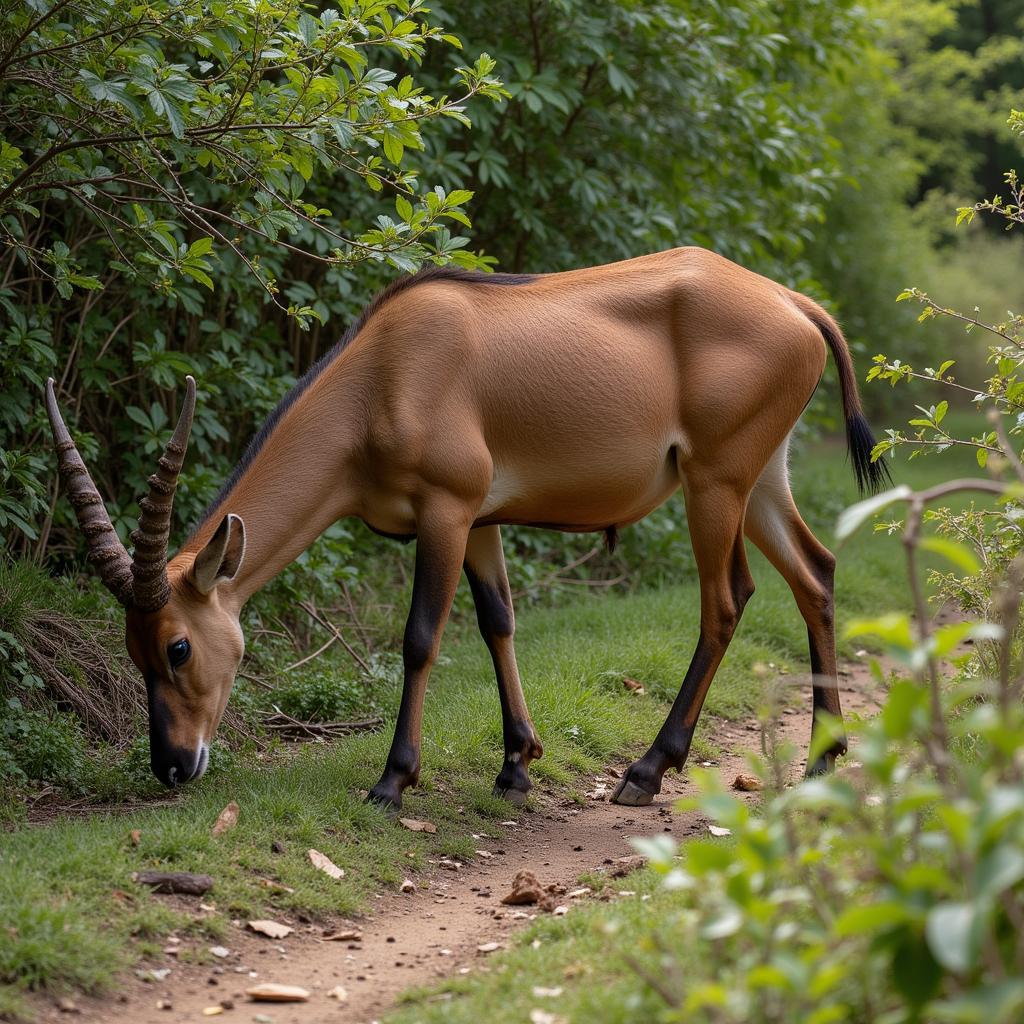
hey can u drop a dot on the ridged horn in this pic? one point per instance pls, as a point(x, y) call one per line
point(106, 551)
point(151, 589)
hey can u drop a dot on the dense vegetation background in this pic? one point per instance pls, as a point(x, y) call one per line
point(218, 188)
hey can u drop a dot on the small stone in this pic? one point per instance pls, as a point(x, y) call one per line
point(271, 993)
point(408, 885)
point(526, 889)
point(747, 783)
point(220, 952)
point(67, 1005)
point(488, 947)
point(624, 865)
point(338, 993)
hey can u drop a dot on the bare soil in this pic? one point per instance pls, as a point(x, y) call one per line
point(414, 939)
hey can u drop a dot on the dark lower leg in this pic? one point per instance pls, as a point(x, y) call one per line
point(725, 588)
point(813, 586)
point(438, 559)
point(671, 746)
point(485, 570)
point(809, 569)
point(825, 699)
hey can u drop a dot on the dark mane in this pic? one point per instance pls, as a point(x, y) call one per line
point(400, 284)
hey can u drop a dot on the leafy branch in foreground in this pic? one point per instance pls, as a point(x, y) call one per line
point(891, 891)
point(985, 542)
point(184, 130)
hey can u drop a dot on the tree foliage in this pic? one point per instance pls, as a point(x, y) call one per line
point(186, 188)
point(637, 126)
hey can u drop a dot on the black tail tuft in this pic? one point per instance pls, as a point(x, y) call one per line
point(871, 476)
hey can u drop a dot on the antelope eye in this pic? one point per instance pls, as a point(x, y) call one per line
point(178, 652)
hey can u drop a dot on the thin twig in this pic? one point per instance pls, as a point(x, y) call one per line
point(309, 608)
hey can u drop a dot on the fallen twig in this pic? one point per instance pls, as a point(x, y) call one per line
point(283, 723)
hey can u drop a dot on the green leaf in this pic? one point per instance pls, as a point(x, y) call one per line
point(897, 714)
point(893, 628)
point(404, 208)
point(999, 869)
point(915, 972)
point(953, 934)
point(953, 551)
point(1000, 1002)
point(308, 28)
point(874, 917)
point(197, 274)
point(852, 517)
point(393, 148)
point(727, 921)
point(200, 247)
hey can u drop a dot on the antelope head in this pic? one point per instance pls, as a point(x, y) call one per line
point(182, 629)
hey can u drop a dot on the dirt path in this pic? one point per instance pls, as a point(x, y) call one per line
point(415, 939)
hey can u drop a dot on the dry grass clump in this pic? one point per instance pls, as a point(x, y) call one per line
point(80, 673)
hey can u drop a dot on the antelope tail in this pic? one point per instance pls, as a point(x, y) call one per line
point(871, 476)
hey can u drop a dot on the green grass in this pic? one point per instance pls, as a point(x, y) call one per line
point(582, 954)
point(72, 917)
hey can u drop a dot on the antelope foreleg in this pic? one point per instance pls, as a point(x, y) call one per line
point(485, 570)
point(440, 548)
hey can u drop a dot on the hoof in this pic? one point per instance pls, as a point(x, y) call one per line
point(516, 797)
point(825, 765)
point(629, 794)
point(390, 803)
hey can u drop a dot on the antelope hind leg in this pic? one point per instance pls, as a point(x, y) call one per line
point(488, 580)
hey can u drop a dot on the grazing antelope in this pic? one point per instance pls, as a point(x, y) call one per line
point(458, 402)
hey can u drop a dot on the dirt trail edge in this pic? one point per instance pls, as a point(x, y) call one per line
point(416, 938)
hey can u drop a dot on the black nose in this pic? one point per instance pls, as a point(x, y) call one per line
point(173, 766)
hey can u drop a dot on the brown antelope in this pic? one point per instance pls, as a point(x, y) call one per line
point(458, 402)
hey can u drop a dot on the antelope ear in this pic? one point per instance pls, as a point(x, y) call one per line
point(221, 559)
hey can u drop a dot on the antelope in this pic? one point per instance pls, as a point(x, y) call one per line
point(459, 402)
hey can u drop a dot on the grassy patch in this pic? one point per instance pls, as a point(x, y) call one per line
point(582, 957)
point(73, 917)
